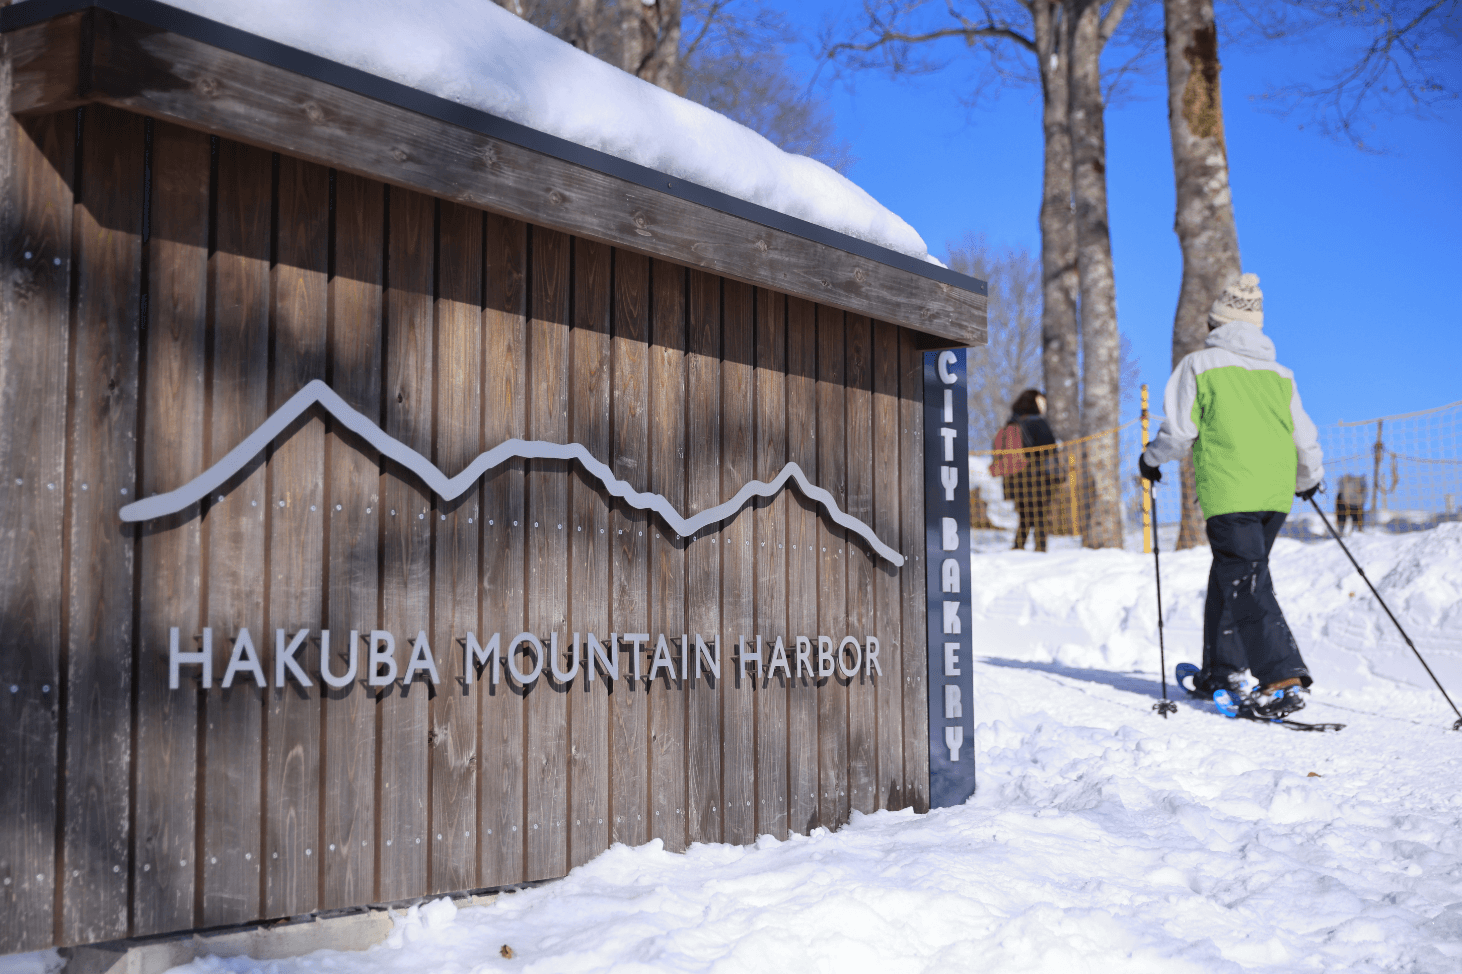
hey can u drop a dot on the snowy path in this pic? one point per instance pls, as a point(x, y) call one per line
point(1102, 838)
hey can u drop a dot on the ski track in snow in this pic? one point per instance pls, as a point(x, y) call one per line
point(1102, 837)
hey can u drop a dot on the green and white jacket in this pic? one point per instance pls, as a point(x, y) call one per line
point(1253, 445)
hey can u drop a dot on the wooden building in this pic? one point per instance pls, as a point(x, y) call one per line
point(198, 222)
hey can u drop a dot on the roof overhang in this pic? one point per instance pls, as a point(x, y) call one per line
point(170, 64)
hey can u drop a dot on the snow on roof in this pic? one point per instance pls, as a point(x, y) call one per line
point(475, 53)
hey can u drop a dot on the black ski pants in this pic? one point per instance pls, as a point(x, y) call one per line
point(1243, 627)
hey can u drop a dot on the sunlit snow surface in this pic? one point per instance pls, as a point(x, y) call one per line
point(475, 53)
point(1102, 838)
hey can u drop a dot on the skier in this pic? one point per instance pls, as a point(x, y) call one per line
point(1253, 446)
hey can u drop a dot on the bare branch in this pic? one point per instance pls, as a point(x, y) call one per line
point(965, 34)
point(1112, 19)
point(1402, 66)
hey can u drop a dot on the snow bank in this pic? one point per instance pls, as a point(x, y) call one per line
point(1099, 608)
point(475, 53)
point(1102, 838)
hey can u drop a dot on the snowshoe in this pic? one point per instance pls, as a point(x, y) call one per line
point(1232, 704)
point(1201, 689)
point(1276, 704)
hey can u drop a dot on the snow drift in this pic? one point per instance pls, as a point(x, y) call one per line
point(1101, 838)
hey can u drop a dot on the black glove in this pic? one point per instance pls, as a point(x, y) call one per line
point(1151, 473)
point(1307, 493)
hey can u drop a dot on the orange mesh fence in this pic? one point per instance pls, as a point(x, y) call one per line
point(1397, 473)
point(1393, 474)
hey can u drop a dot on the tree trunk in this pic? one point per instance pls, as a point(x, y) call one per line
point(583, 27)
point(1205, 212)
point(1100, 340)
point(1059, 277)
point(650, 42)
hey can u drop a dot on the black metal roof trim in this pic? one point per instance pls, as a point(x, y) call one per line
point(252, 46)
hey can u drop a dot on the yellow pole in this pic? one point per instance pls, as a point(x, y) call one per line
point(1146, 485)
point(1071, 486)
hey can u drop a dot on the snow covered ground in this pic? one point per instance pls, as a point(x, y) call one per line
point(1102, 837)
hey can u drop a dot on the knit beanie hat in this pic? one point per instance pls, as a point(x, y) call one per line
point(1241, 301)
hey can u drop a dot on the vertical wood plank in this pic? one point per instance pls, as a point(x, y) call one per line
point(296, 541)
point(406, 534)
point(803, 806)
point(738, 559)
point(832, 617)
point(233, 843)
point(628, 704)
point(915, 661)
point(458, 442)
point(169, 557)
point(887, 506)
point(588, 821)
point(36, 168)
point(505, 397)
point(547, 551)
point(770, 550)
point(862, 623)
point(353, 507)
point(98, 670)
point(667, 553)
point(703, 556)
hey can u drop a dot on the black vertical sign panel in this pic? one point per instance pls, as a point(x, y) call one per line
point(947, 562)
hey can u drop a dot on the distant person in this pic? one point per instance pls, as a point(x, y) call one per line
point(1253, 448)
point(1350, 502)
point(1027, 479)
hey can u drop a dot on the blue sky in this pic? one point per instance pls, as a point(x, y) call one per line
point(1358, 253)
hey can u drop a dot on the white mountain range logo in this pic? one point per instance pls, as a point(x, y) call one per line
point(448, 488)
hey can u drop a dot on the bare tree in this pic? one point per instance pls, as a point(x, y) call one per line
point(897, 36)
point(1395, 57)
point(1011, 361)
point(735, 62)
point(1065, 39)
point(650, 41)
point(1087, 30)
point(729, 55)
point(1205, 214)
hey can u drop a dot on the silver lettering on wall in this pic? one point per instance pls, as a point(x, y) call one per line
point(526, 656)
point(449, 488)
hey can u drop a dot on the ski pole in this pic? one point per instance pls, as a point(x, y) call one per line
point(1163, 706)
point(1389, 615)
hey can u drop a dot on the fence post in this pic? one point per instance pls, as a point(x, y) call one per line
point(1377, 498)
point(1147, 512)
point(1071, 487)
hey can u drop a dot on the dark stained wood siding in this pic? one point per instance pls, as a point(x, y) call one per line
point(458, 388)
point(233, 843)
point(294, 496)
point(211, 282)
point(629, 755)
point(353, 516)
point(588, 778)
point(169, 565)
point(35, 291)
point(667, 455)
point(770, 554)
point(502, 781)
point(547, 579)
point(99, 640)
